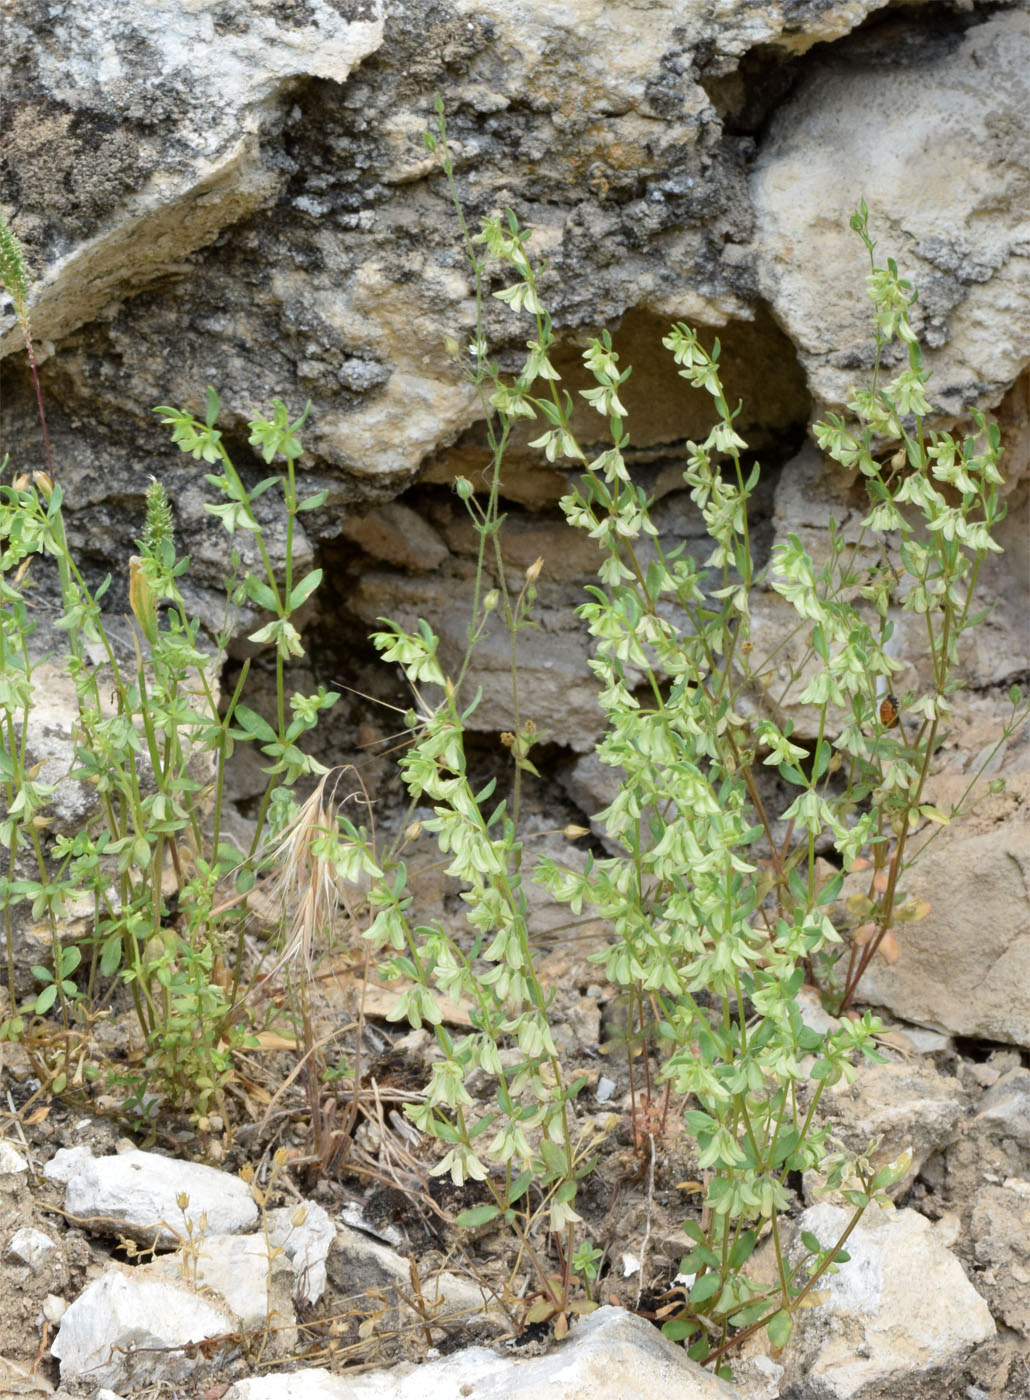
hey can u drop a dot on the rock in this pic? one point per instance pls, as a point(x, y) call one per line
point(135, 1193)
point(125, 1330)
point(611, 1353)
point(905, 1105)
point(901, 1307)
point(306, 1246)
point(29, 1247)
point(136, 205)
point(1000, 1229)
point(12, 1164)
point(252, 1277)
point(395, 534)
point(964, 969)
point(1004, 1111)
point(936, 141)
point(68, 1162)
point(357, 1264)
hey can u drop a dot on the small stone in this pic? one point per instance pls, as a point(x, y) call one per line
point(54, 1308)
point(30, 1247)
point(12, 1163)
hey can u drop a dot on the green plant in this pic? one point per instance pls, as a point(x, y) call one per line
point(152, 739)
point(717, 919)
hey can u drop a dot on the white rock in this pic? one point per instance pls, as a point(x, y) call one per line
point(66, 1163)
point(135, 1193)
point(256, 1283)
point(307, 1246)
point(612, 1355)
point(901, 1307)
point(126, 1330)
point(12, 1163)
point(54, 1308)
point(29, 1246)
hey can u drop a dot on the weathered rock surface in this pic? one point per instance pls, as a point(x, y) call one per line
point(137, 1194)
point(127, 1330)
point(965, 968)
point(901, 1308)
point(611, 1354)
point(936, 141)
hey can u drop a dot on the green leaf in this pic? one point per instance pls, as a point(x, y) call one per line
point(313, 502)
point(520, 1186)
point(303, 590)
point(260, 593)
point(707, 1286)
point(211, 415)
point(46, 999)
point(478, 1215)
point(742, 1250)
point(253, 726)
point(779, 1329)
point(810, 1242)
point(678, 1329)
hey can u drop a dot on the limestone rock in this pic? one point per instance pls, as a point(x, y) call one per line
point(135, 1194)
point(905, 1105)
point(1000, 1228)
point(901, 1307)
point(936, 143)
point(127, 1330)
point(965, 968)
point(611, 1354)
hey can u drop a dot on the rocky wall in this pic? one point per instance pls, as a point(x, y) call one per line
point(238, 194)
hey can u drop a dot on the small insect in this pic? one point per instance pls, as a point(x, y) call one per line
point(889, 716)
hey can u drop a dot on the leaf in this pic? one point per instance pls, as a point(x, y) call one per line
point(707, 1286)
point(779, 1329)
point(814, 1299)
point(913, 910)
point(679, 1329)
point(934, 814)
point(541, 1311)
point(253, 726)
point(260, 593)
point(46, 999)
point(478, 1215)
point(889, 949)
point(303, 590)
point(313, 502)
point(520, 1186)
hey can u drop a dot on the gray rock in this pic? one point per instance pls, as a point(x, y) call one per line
point(1000, 1228)
point(936, 141)
point(901, 1307)
point(126, 1329)
point(135, 1194)
point(611, 1354)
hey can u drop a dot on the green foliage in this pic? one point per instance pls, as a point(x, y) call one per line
point(151, 742)
point(718, 909)
point(716, 923)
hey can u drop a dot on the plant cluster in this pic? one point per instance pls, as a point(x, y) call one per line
point(164, 887)
point(719, 909)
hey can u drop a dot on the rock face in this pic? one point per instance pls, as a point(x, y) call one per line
point(941, 157)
